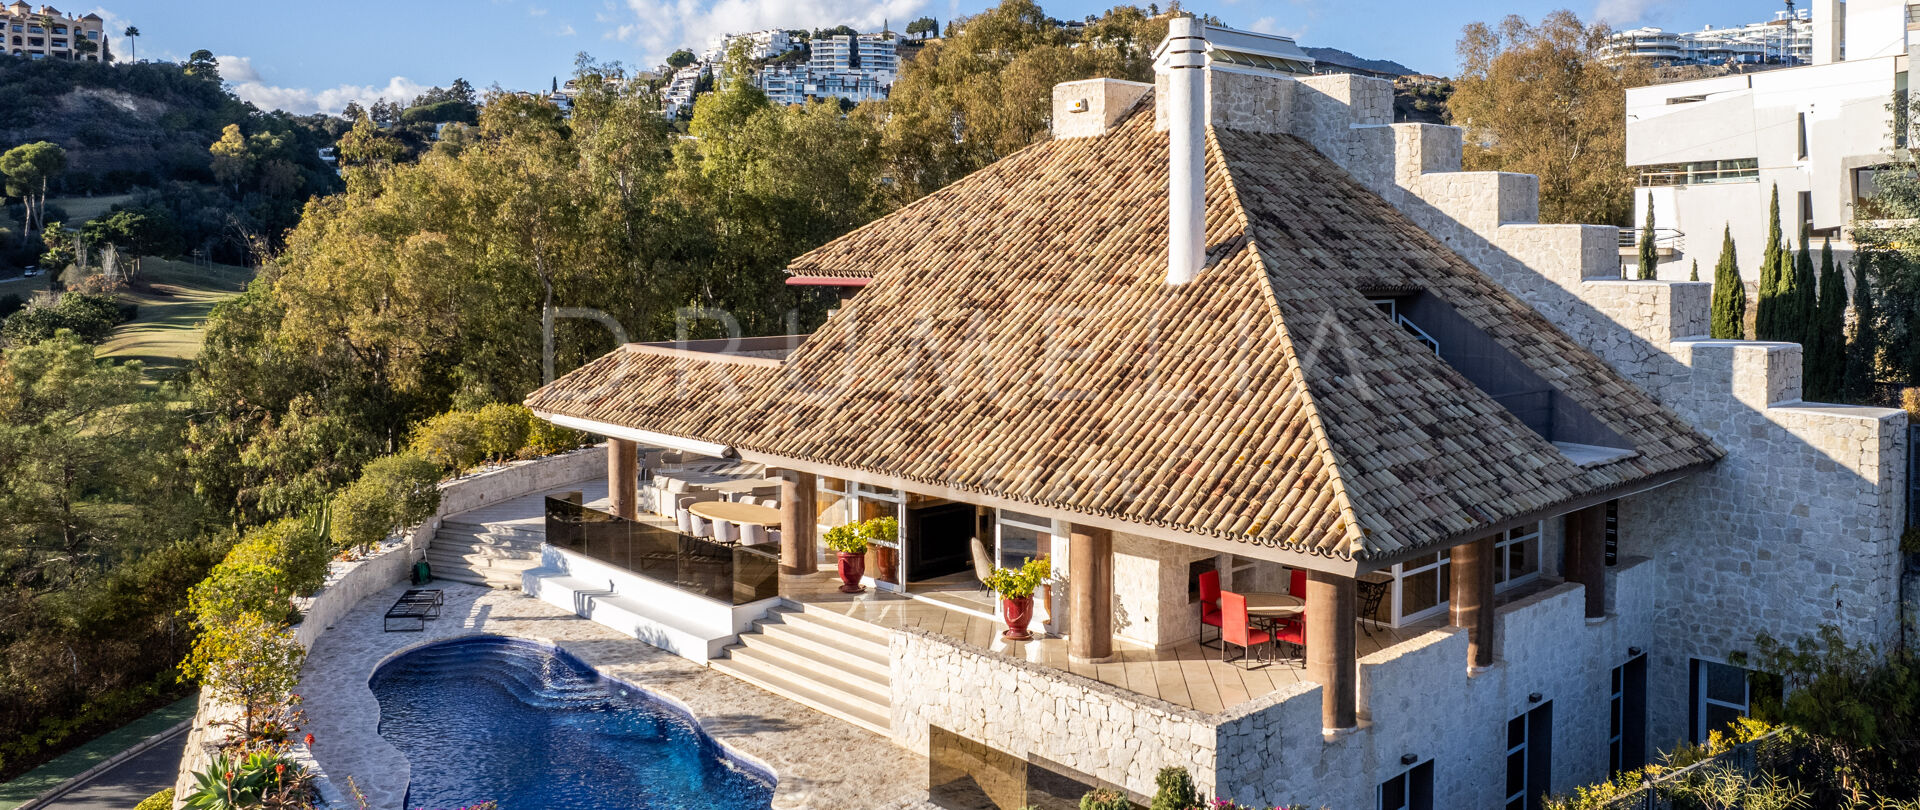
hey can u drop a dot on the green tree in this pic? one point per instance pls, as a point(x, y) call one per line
point(924, 27)
point(1729, 293)
point(1538, 99)
point(1649, 256)
point(1803, 299)
point(1826, 351)
point(1694, 273)
point(1771, 318)
point(1859, 705)
point(366, 145)
point(133, 33)
point(681, 58)
point(1863, 340)
point(78, 441)
point(30, 169)
point(232, 162)
point(247, 660)
point(1174, 790)
point(201, 65)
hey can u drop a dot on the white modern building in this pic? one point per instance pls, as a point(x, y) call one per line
point(680, 89)
point(857, 69)
point(1784, 40)
point(760, 45)
point(784, 84)
point(1710, 152)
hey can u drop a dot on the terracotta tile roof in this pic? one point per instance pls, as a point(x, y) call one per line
point(1018, 340)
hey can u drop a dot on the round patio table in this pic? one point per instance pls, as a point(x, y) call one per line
point(743, 513)
point(1274, 605)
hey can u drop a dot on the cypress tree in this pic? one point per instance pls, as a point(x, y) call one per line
point(1863, 345)
point(1766, 325)
point(1729, 293)
point(1803, 296)
point(1649, 259)
point(1824, 366)
point(1695, 274)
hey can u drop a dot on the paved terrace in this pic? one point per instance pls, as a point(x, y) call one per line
point(821, 762)
point(1186, 675)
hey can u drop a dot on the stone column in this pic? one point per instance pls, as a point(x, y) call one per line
point(623, 478)
point(1332, 656)
point(797, 519)
point(1471, 603)
point(1586, 556)
point(1090, 575)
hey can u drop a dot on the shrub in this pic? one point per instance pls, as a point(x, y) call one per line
point(296, 548)
point(262, 779)
point(392, 492)
point(1174, 790)
point(454, 440)
point(252, 662)
point(11, 303)
point(1104, 799)
point(504, 429)
point(545, 438)
point(847, 539)
point(158, 801)
point(91, 317)
point(1018, 583)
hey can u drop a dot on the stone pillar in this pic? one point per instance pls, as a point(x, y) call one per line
point(797, 518)
point(1586, 556)
point(1471, 603)
point(1332, 656)
point(1090, 576)
point(623, 478)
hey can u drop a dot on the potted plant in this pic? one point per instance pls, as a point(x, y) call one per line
point(850, 542)
point(1016, 587)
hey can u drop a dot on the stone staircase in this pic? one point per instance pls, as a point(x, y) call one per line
point(490, 554)
point(821, 659)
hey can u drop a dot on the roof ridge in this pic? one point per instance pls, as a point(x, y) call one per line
point(1336, 472)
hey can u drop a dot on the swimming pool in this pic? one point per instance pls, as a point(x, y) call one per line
point(530, 727)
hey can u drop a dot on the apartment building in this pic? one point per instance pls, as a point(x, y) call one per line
point(1711, 152)
point(1787, 39)
point(50, 34)
point(760, 45)
point(1517, 516)
point(855, 68)
point(678, 97)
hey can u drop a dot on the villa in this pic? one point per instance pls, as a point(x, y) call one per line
point(1238, 325)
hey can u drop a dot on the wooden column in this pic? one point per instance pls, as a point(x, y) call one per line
point(1471, 602)
point(1586, 556)
point(1090, 575)
point(797, 518)
point(1332, 657)
point(623, 478)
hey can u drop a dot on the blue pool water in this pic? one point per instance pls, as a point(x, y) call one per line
point(533, 728)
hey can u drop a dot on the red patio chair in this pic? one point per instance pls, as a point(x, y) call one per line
point(1297, 582)
point(1293, 631)
point(1209, 605)
point(1235, 629)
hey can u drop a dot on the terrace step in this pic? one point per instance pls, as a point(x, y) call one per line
point(827, 662)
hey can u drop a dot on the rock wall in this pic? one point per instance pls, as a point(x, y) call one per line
point(349, 582)
point(1030, 710)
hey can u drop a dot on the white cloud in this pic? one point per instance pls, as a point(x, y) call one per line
point(567, 30)
point(1271, 25)
point(1622, 12)
point(658, 27)
point(301, 100)
point(536, 11)
point(237, 69)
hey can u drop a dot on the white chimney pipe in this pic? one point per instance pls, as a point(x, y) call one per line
point(1186, 148)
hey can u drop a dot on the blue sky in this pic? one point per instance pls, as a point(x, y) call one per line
point(307, 57)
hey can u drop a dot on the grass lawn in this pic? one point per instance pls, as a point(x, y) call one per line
point(84, 209)
point(174, 303)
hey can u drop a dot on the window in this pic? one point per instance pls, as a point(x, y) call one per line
point(1613, 533)
point(1701, 172)
point(1722, 693)
point(1803, 136)
point(1420, 586)
point(1022, 537)
point(841, 502)
point(1391, 308)
point(1806, 214)
point(1516, 556)
point(1412, 790)
point(1529, 757)
point(1627, 716)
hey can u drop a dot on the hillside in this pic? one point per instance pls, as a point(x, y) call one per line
point(1345, 59)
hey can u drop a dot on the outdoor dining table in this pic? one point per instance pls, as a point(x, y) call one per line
point(1261, 605)
point(744, 514)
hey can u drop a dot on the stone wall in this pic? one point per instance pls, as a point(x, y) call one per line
point(349, 582)
point(1030, 710)
point(1150, 589)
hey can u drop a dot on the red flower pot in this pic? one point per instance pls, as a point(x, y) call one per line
point(1018, 611)
point(852, 567)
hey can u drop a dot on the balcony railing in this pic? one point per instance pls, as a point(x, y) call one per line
point(732, 574)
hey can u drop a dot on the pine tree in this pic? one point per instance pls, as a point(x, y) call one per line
point(1824, 366)
point(1767, 320)
point(1649, 258)
point(1863, 345)
point(1695, 275)
point(1803, 297)
point(1729, 293)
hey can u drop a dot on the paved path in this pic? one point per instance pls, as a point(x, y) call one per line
point(128, 776)
point(124, 785)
